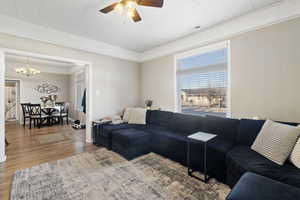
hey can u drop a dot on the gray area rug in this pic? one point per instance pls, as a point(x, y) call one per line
point(104, 175)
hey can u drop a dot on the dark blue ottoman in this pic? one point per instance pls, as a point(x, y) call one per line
point(103, 135)
point(130, 143)
point(256, 187)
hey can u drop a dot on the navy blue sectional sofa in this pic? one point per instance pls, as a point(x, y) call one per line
point(256, 187)
point(242, 158)
point(229, 154)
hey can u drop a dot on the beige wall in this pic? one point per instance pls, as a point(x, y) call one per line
point(158, 84)
point(265, 74)
point(115, 81)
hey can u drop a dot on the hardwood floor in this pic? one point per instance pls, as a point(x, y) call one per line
point(24, 150)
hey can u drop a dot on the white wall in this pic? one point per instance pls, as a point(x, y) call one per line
point(115, 82)
point(265, 72)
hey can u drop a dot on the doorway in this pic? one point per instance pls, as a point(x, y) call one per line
point(12, 100)
point(4, 55)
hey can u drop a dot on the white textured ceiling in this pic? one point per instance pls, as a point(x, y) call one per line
point(175, 20)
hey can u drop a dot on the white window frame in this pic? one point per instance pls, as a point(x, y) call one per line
point(195, 52)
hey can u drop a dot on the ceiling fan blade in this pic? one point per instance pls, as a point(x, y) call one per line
point(136, 17)
point(108, 8)
point(151, 3)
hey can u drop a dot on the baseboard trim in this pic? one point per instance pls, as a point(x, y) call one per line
point(3, 159)
point(71, 119)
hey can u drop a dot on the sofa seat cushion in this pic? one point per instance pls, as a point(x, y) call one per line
point(131, 143)
point(171, 134)
point(217, 149)
point(255, 187)
point(151, 128)
point(220, 146)
point(130, 136)
point(108, 128)
point(170, 144)
point(242, 159)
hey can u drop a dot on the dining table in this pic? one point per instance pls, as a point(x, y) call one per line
point(49, 110)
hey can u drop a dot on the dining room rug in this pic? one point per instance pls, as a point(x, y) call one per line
point(50, 138)
point(104, 175)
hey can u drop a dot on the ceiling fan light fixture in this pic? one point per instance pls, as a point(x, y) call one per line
point(129, 7)
point(131, 4)
point(119, 7)
point(131, 13)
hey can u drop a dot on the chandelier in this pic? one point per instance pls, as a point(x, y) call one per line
point(27, 70)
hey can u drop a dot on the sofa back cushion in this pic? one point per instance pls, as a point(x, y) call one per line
point(249, 129)
point(159, 118)
point(225, 128)
point(186, 124)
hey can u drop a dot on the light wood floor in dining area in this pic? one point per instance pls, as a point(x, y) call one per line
point(25, 151)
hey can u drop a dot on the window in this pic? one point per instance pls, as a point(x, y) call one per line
point(79, 90)
point(202, 83)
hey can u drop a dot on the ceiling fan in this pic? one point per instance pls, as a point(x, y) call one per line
point(129, 7)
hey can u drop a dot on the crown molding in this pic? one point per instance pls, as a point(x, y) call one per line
point(24, 29)
point(267, 16)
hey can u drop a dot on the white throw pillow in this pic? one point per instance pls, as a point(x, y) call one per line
point(137, 116)
point(126, 115)
point(276, 141)
point(295, 155)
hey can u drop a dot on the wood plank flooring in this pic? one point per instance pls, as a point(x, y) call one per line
point(24, 150)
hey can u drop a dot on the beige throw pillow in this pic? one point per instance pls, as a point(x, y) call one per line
point(276, 141)
point(126, 115)
point(137, 116)
point(295, 155)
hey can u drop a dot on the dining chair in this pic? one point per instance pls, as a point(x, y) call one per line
point(36, 115)
point(26, 112)
point(62, 113)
